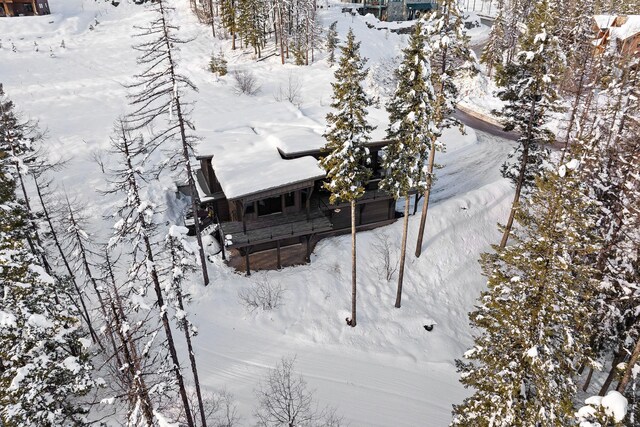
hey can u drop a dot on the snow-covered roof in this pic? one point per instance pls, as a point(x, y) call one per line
point(604, 21)
point(629, 28)
point(246, 160)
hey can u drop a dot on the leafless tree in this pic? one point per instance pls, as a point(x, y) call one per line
point(136, 226)
point(386, 263)
point(285, 400)
point(159, 101)
point(291, 92)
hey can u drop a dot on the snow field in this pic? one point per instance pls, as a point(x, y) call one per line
point(388, 371)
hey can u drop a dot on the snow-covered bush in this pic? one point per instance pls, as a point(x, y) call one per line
point(607, 411)
point(246, 82)
point(218, 65)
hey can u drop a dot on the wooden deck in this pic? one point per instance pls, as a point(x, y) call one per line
point(268, 260)
point(276, 227)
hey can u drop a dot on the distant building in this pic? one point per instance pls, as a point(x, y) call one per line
point(397, 10)
point(619, 31)
point(24, 7)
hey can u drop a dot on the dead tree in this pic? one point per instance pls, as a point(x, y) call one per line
point(42, 184)
point(136, 226)
point(158, 101)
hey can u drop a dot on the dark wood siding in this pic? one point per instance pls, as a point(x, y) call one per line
point(374, 212)
point(222, 209)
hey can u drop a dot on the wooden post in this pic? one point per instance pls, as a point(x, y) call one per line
point(222, 242)
point(308, 202)
point(244, 221)
point(246, 260)
point(308, 257)
point(35, 7)
point(279, 265)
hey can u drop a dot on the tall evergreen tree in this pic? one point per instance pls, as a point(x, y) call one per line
point(347, 133)
point(450, 57)
point(533, 320)
point(493, 51)
point(229, 15)
point(410, 132)
point(528, 87)
point(250, 23)
point(332, 43)
point(44, 366)
point(18, 140)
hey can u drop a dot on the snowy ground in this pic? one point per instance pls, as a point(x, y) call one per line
point(388, 371)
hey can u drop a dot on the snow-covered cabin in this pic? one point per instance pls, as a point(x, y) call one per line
point(263, 188)
point(621, 31)
point(24, 7)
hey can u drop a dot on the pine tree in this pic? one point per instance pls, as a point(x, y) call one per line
point(612, 153)
point(450, 57)
point(332, 43)
point(493, 50)
point(534, 319)
point(44, 366)
point(228, 13)
point(250, 23)
point(528, 87)
point(18, 139)
point(410, 132)
point(347, 133)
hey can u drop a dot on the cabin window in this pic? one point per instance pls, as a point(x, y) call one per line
point(272, 205)
point(249, 208)
point(289, 199)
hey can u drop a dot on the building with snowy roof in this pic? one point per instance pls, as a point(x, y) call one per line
point(261, 193)
point(621, 32)
point(24, 7)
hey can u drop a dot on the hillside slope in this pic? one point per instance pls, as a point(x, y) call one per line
point(386, 372)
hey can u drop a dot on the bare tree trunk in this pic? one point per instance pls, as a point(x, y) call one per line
point(213, 21)
point(585, 386)
point(82, 253)
point(403, 250)
point(150, 261)
point(185, 150)
point(626, 377)
point(281, 32)
point(427, 194)
point(63, 257)
point(617, 358)
point(138, 388)
point(516, 197)
point(168, 333)
point(36, 248)
point(353, 264)
point(192, 357)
